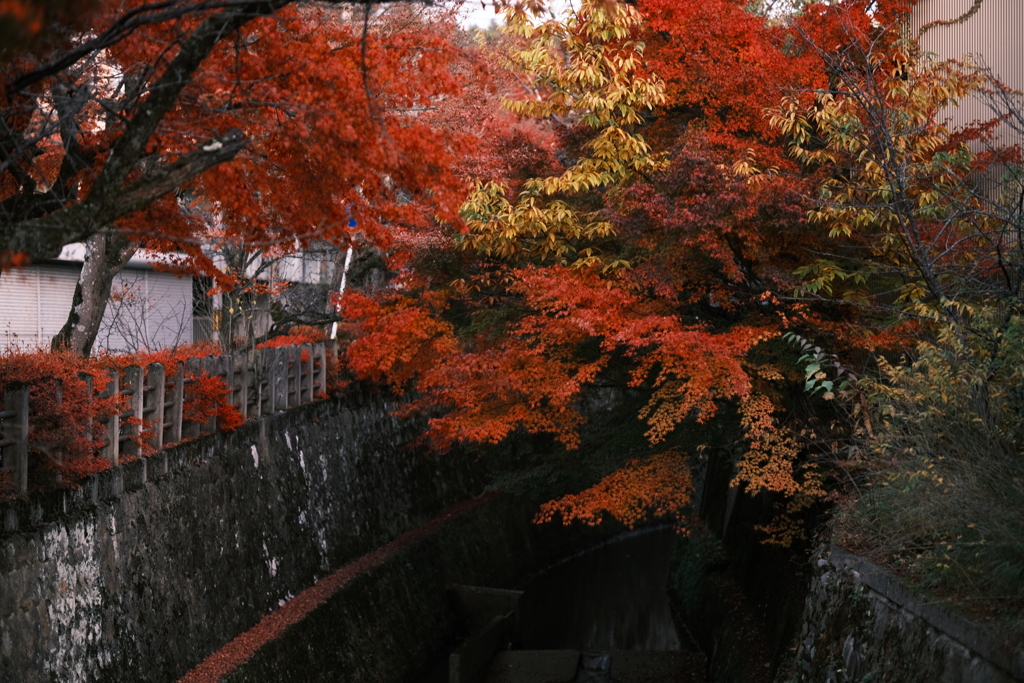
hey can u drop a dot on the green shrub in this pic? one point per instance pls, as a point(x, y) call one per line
point(944, 500)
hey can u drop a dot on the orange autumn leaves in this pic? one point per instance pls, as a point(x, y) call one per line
point(689, 273)
point(679, 267)
point(340, 138)
point(329, 114)
point(657, 487)
point(771, 462)
point(530, 373)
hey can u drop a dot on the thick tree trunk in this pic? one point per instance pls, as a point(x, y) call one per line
point(106, 254)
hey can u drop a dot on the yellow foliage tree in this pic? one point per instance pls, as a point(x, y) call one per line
point(587, 66)
point(903, 201)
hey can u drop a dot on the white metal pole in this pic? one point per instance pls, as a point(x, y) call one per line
point(341, 289)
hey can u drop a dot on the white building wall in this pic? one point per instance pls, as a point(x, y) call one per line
point(148, 309)
point(987, 34)
point(991, 33)
point(34, 304)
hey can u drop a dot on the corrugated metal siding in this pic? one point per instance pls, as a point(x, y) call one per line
point(19, 305)
point(34, 304)
point(148, 310)
point(991, 36)
point(56, 291)
point(169, 317)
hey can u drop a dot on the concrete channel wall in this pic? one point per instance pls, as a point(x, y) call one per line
point(153, 565)
point(388, 623)
point(862, 624)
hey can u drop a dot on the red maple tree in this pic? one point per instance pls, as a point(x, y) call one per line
point(686, 268)
point(281, 130)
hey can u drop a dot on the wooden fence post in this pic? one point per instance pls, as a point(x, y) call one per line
point(232, 377)
point(15, 434)
point(307, 373)
point(257, 382)
point(173, 406)
point(264, 365)
point(193, 367)
point(245, 393)
point(87, 420)
point(272, 378)
point(293, 361)
point(111, 449)
point(283, 397)
point(214, 367)
point(131, 419)
point(58, 453)
point(320, 368)
point(154, 400)
point(279, 378)
point(227, 372)
point(299, 383)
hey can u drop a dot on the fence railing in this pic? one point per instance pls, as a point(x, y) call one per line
point(258, 382)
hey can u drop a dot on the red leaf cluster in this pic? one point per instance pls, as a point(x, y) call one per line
point(698, 270)
point(64, 429)
point(658, 487)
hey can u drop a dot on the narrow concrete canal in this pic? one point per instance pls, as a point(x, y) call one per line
point(602, 616)
point(611, 597)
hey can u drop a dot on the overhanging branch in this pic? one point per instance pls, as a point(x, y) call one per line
point(43, 237)
point(163, 179)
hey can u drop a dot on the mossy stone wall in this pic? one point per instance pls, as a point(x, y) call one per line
point(388, 623)
point(861, 624)
point(150, 567)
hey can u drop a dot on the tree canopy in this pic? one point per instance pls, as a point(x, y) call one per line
point(313, 108)
point(666, 190)
point(660, 241)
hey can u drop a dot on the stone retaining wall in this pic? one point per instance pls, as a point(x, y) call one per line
point(861, 624)
point(151, 566)
point(389, 622)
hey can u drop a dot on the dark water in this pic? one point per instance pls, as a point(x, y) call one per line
point(609, 598)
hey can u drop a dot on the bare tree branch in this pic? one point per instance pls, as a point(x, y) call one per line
point(45, 236)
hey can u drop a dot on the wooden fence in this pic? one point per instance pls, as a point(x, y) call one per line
point(259, 382)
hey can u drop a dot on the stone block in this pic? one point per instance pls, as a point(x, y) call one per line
point(134, 474)
point(35, 513)
point(11, 520)
point(862, 616)
point(7, 556)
